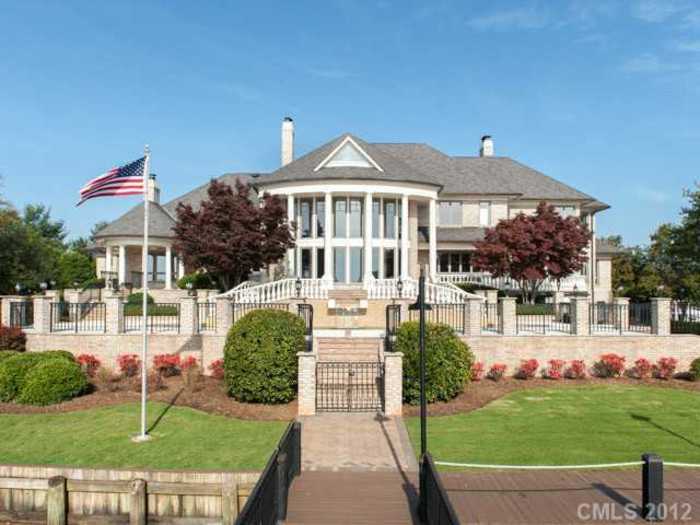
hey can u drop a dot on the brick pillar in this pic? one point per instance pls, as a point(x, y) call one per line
point(188, 315)
point(224, 315)
point(492, 296)
point(42, 314)
point(393, 383)
point(472, 314)
point(622, 306)
point(580, 322)
point(506, 315)
point(307, 383)
point(661, 316)
point(114, 314)
point(6, 300)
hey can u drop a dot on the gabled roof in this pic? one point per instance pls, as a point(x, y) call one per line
point(304, 168)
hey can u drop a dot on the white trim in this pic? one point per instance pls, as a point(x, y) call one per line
point(347, 139)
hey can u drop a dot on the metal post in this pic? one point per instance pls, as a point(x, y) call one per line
point(423, 408)
point(652, 487)
point(281, 492)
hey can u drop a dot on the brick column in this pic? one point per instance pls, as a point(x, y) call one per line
point(472, 314)
point(393, 383)
point(42, 314)
point(506, 315)
point(6, 301)
point(188, 315)
point(491, 296)
point(224, 315)
point(114, 314)
point(622, 305)
point(580, 322)
point(661, 316)
point(307, 383)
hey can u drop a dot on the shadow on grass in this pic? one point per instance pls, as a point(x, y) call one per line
point(649, 421)
point(170, 404)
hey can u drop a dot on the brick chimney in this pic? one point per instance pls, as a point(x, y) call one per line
point(153, 189)
point(287, 141)
point(486, 146)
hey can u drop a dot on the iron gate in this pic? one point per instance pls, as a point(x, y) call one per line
point(349, 387)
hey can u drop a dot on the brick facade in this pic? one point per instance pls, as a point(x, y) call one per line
point(307, 383)
point(393, 383)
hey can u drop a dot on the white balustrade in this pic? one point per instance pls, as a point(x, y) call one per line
point(278, 291)
point(568, 284)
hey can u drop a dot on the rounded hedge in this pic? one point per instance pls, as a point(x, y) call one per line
point(260, 361)
point(14, 369)
point(137, 298)
point(52, 381)
point(695, 369)
point(448, 361)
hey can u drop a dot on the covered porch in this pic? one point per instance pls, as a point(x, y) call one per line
point(123, 264)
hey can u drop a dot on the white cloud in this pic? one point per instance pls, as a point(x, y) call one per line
point(658, 10)
point(519, 18)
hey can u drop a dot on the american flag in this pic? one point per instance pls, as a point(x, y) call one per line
point(117, 182)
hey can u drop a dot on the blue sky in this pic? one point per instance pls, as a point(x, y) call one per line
point(601, 95)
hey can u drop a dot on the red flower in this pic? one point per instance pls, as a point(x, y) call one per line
point(477, 371)
point(217, 369)
point(89, 363)
point(129, 364)
point(167, 364)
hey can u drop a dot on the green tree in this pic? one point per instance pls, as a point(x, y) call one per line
point(38, 216)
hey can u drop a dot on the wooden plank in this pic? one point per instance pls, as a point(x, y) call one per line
point(24, 483)
point(184, 489)
point(100, 486)
point(56, 502)
point(137, 503)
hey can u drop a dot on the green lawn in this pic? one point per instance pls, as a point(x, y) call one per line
point(183, 438)
point(570, 426)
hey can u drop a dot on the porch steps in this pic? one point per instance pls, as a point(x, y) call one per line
point(347, 294)
point(340, 349)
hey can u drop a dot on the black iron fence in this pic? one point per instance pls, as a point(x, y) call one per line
point(685, 318)
point(349, 387)
point(206, 317)
point(267, 503)
point(160, 317)
point(77, 317)
point(306, 312)
point(435, 506)
point(490, 321)
point(453, 315)
point(240, 309)
point(22, 314)
point(393, 321)
point(543, 318)
point(608, 317)
point(639, 318)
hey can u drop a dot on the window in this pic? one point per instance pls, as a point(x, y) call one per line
point(320, 262)
point(339, 265)
point(484, 213)
point(566, 211)
point(389, 270)
point(454, 262)
point(348, 156)
point(375, 262)
point(355, 218)
point(376, 206)
point(466, 262)
point(320, 217)
point(450, 213)
point(305, 217)
point(444, 263)
point(340, 217)
point(389, 219)
point(306, 263)
point(355, 264)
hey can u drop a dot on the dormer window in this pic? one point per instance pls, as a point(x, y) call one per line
point(348, 154)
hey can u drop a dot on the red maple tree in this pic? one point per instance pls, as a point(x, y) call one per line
point(231, 236)
point(532, 248)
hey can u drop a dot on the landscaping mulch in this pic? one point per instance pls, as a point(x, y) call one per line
point(480, 393)
point(209, 396)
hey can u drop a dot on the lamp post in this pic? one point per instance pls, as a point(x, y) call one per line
point(297, 286)
point(190, 288)
point(399, 287)
point(44, 286)
point(18, 288)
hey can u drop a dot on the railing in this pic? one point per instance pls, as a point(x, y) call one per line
point(240, 309)
point(452, 315)
point(77, 317)
point(608, 318)
point(543, 318)
point(685, 318)
point(279, 291)
point(267, 503)
point(388, 288)
point(22, 314)
point(111, 279)
point(639, 317)
point(206, 317)
point(435, 506)
point(160, 317)
point(393, 321)
point(306, 312)
point(569, 284)
point(447, 293)
point(490, 320)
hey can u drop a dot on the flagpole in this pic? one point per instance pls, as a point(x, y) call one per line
point(144, 308)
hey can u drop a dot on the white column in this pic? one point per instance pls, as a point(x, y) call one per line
point(180, 267)
point(433, 238)
point(404, 237)
point(168, 268)
point(122, 264)
point(108, 259)
point(327, 236)
point(291, 253)
point(368, 237)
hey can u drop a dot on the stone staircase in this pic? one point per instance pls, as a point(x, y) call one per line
point(347, 349)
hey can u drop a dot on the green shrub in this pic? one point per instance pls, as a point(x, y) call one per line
point(534, 309)
point(137, 299)
point(52, 381)
point(13, 371)
point(12, 338)
point(260, 361)
point(199, 280)
point(64, 354)
point(448, 361)
point(685, 327)
point(154, 310)
point(695, 369)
